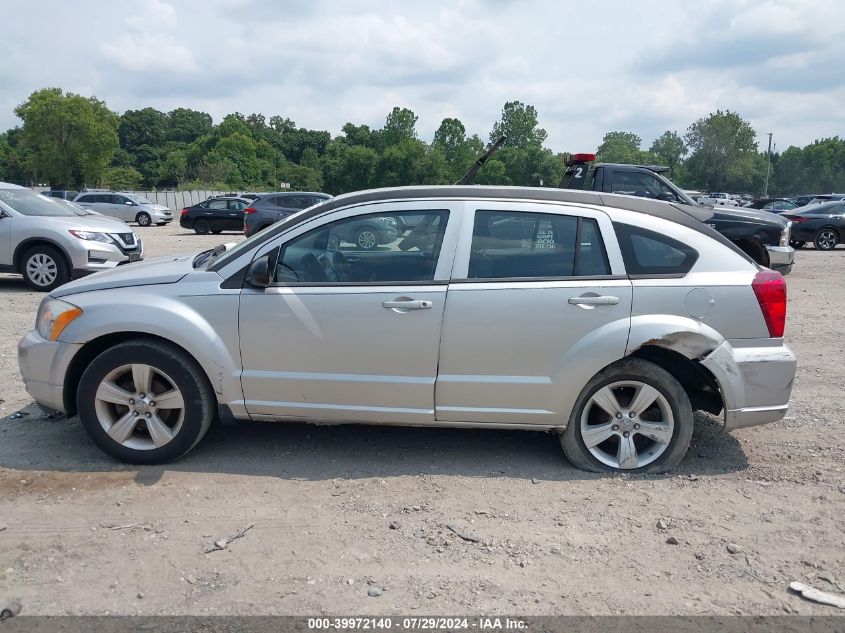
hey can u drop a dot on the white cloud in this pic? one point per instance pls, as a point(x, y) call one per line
point(644, 67)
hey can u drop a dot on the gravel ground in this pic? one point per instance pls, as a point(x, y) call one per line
point(340, 511)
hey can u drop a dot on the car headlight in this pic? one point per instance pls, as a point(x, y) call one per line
point(91, 236)
point(54, 316)
point(784, 235)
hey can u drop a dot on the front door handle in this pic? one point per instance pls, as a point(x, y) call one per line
point(594, 300)
point(407, 304)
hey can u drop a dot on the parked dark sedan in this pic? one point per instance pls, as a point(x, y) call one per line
point(775, 205)
point(215, 215)
point(821, 224)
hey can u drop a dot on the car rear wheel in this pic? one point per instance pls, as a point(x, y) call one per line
point(797, 244)
point(631, 417)
point(217, 231)
point(44, 268)
point(826, 239)
point(366, 239)
point(143, 219)
point(201, 227)
point(145, 402)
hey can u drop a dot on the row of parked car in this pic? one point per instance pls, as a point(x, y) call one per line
point(129, 207)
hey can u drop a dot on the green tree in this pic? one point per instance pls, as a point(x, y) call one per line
point(121, 178)
point(72, 137)
point(173, 170)
point(620, 147)
point(723, 155)
point(669, 149)
point(186, 125)
point(142, 127)
point(458, 151)
point(520, 124)
point(400, 126)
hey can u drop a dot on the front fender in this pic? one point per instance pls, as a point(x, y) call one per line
point(194, 323)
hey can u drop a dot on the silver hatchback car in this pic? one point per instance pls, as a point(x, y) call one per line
point(606, 319)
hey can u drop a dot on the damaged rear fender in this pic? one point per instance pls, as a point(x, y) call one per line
point(688, 337)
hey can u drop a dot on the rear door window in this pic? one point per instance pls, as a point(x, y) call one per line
point(513, 244)
point(647, 253)
point(217, 204)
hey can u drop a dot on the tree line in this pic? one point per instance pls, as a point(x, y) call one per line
point(70, 141)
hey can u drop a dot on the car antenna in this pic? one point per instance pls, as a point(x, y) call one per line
point(479, 163)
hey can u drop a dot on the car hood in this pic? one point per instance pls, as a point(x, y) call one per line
point(743, 214)
point(160, 270)
point(98, 223)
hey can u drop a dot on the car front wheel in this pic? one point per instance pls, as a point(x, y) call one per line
point(44, 268)
point(145, 402)
point(143, 219)
point(632, 417)
point(366, 239)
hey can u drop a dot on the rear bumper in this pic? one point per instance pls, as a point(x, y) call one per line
point(756, 382)
point(781, 258)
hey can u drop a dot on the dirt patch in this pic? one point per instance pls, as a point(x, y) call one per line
point(338, 511)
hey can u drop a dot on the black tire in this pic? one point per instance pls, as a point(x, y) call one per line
point(756, 251)
point(201, 227)
point(826, 239)
point(143, 219)
point(366, 238)
point(796, 244)
point(642, 371)
point(187, 376)
point(45, 254)
point(216, 231)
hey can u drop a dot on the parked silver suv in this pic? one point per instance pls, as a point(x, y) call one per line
point(606, 319)
point(129, 207)
point(50, 241)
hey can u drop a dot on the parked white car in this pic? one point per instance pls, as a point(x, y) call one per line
point(128, 207)
point(719, 199)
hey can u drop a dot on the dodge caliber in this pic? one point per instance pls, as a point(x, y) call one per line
point(605, 319)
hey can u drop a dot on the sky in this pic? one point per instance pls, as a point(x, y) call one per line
point(642, 66)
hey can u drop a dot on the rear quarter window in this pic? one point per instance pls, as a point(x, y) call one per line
point(647, 253)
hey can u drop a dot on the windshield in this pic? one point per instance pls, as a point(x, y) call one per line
point(26, 202)
point(139, 199)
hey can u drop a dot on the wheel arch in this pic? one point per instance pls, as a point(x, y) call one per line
point(28, 243)
point(93, 348)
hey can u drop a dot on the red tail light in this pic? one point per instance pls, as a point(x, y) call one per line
point(185, 212)
point(797, 219)
point(770, 289)
point(249, 210)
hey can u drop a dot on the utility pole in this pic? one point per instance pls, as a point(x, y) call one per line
point(768, 164)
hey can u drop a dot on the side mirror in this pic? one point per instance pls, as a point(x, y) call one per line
point(666, 196)
point(129, 202)
point(258, 274)
point(4, 214)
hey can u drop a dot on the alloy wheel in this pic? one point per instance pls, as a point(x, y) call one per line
point(826, 239)
point(139, 406)
point(627, 424)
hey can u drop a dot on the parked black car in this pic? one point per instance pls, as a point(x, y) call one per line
point(821, 224)
point(269, 208)
point(775, 205)
point(215, 215)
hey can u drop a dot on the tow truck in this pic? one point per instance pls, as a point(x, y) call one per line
point(762, 236)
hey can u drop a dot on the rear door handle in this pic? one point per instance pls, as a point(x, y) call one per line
point(593, 300)
point(407, 304)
